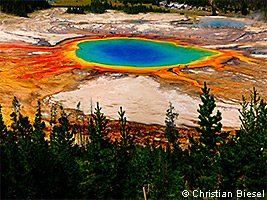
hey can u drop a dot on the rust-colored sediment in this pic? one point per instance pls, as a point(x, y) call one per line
point(31, 72)
point(36, 62)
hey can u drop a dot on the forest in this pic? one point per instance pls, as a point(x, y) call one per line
point(23, 7)
point(65, 165)
point(99, 7)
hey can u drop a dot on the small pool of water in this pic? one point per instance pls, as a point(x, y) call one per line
point(138, 21)
point(137, 52)
point(207, 22)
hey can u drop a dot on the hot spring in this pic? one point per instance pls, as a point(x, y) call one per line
point(207, 22)
point(138, 52)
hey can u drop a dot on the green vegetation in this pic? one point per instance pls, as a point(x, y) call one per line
point(105, 167)
point(227, 6)
point(129, 7)
point(22, 7)
point(205, 171)
point(70, 3)
point(243, 7)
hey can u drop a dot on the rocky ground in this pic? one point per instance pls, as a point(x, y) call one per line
point(144, 97)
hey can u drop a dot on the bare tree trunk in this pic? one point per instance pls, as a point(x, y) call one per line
point(144, 192)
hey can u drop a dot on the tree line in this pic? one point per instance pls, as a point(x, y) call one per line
point(102, 167)
point(22, 7)
point(129, 7)
point(241, 6)
point(133, 7)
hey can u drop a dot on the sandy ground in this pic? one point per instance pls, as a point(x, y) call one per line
point(144, 98)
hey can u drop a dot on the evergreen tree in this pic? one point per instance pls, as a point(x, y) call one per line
point(38, 126)
point(99, 135)
point(126, 140)
point(139, 173)
point(252, 142)
point(155, 172)
point(25, 181)
point(204, 155)
point(40, 157)
point(22, 8)
point(53, 119)
point(170, 125)
point(244, 156)
point(23, 130)
point(174, 158)
point(209, 124)
point(14, 115)
point(63, 151)
point(32, 169)
point(123, 149)
point(18, 177)
point(9, 156)
point(3, 128)
point(100, 155)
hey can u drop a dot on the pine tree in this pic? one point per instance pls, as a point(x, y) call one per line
point(9, 156)
point(123, 150)
point(99, 135)
point(40, 157)
point(3, 128)
point(170, 125)
point(244, 156)
point(100, 155)
point(146, 173)
point(63, 150)
point(53, 119)
point(38, 126)
point(25, 181)
point(175, 164)
point(18, 151)
point(22, 8)
point(252, 142)
point(23, 130)
point(126, 139)
point(14, 114)
point(205, 170)
point(209, 124)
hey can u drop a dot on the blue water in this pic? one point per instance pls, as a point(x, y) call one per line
point(137, 52)
point(220, 22)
